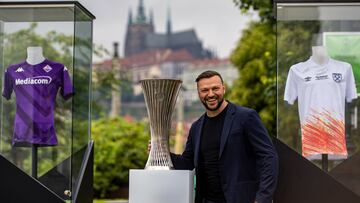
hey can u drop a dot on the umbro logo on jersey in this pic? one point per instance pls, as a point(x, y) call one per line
point(47, 68)
point(337, 77)
point(307, 79)
point(65, 69)
point(20, 69)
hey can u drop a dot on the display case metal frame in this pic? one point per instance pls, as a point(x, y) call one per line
point(299, 179)
point(17, 185)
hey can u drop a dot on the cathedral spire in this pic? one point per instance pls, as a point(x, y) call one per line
point(130, 17)
point(151, 21)
point(168, 22)
point(141, 18)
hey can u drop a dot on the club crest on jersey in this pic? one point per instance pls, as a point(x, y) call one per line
point(47, 68)
point(19, 70)
point(337, 77)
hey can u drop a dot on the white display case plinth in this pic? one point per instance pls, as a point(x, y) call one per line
point(161, 186)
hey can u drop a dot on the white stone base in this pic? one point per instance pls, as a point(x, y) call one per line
point(161, 186)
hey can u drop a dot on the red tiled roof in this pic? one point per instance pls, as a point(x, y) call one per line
point(149, 58)
point(209, 62)
point(104, 65)
point(144, 58)
point(157, 57)
point(179, 56)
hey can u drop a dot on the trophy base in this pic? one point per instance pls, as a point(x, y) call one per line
point(161, 186)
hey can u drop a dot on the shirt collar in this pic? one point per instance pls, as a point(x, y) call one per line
point(319, 69)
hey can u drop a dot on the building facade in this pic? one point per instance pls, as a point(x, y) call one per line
point(141, 36)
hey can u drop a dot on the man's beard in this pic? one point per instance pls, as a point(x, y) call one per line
point(217, 106)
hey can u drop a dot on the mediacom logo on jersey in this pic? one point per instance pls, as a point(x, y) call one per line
point(38, 80)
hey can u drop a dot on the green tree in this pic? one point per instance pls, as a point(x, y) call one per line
point(103, 83)
point(120, 146)
point(263, 7)
point(254, 56)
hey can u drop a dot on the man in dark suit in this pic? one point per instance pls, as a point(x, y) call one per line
point(230, 149)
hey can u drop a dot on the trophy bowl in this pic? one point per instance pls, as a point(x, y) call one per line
point(160, 98)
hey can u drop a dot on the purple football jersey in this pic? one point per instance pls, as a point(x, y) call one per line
point(36, 87)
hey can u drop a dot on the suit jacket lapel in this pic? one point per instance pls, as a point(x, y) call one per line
point(197, 140)
point(229, 118)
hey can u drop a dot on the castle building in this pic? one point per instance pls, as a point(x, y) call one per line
point(141, 36)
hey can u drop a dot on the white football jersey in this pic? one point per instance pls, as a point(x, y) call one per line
point(321, 91)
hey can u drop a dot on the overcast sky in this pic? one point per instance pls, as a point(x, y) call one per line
point(218, 23)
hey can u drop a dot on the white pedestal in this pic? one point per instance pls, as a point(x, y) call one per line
point(161, 186)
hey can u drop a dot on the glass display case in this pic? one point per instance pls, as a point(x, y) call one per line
point(45, 63)
point(318, 83)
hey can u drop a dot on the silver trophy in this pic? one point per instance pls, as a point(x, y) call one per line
point(160, 98)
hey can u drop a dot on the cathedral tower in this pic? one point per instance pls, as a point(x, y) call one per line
point(137, 29)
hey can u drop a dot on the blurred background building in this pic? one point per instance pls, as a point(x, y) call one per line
point(149, 54)
point(141, 36)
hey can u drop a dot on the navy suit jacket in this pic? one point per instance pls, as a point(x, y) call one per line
point(248, 162)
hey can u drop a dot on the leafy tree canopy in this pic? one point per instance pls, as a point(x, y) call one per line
point(254, 56)
point(264, 7)
point(120, 146)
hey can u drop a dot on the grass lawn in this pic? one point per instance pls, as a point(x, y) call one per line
point(99, 201)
